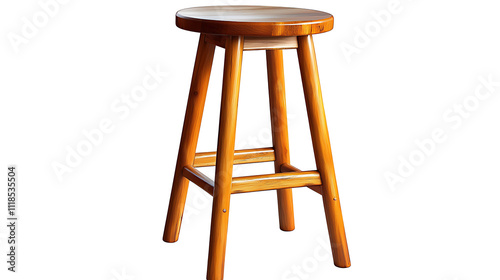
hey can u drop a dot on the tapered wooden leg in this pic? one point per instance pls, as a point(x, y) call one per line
point(224, 157)
point(279, 127)
point(322, 149)
point(189, 138)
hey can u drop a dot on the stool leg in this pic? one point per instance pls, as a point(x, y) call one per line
point(322, 149)
point(279, 127)
point(224, 157)
point(189, 138)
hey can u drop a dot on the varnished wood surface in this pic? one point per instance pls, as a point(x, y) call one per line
point(275, 181)
point(254, 20)
point(225, 155)
point(270, 43)
point(252, 43)
point(218, 40)
point(200, 179)
point(290, 168)
point(189, 138)
point(279, 129)
point(322, 149)
point(240, 157)
point(252, 28)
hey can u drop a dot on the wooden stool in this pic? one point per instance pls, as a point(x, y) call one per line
point(239, 28)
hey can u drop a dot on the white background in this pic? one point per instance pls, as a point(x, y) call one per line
point(104, 219)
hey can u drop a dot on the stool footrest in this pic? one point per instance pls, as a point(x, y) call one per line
point(290, 177)
point(199, 179)
point(276, 181)
point(240, 157)
point(290, 168)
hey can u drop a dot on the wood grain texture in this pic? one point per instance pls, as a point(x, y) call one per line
point(240, 157)
point(279, 130)
point(254, 20)
point(290, 168)
point(270, 43)
point(257, 43)
point(225, 154)
point(200, 179)
point(189, 138)
point(275, 181)
point(322, 149)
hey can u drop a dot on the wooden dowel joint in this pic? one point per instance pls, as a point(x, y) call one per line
point(290, 168)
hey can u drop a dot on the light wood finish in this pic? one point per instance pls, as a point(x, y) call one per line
point(322, 149)
point(240, 157)
point(189, 138)
point(225, 154)
point(279, 129)
point(239, 28)
point(200, 179)
point(270, 43)
point(290, 168)
point(254, 20)
point(257, 43)
point(275, 181)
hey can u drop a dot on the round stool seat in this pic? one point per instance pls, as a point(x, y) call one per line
point(254, 20)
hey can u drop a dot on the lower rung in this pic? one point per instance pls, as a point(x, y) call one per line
point(276, 181)
point(284, 180)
